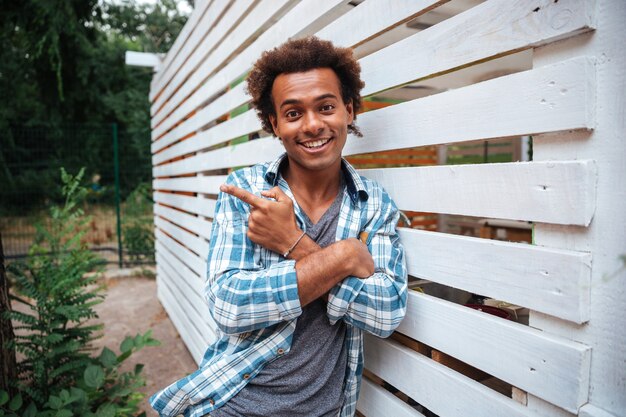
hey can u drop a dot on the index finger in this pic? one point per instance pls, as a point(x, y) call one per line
point(243, 195)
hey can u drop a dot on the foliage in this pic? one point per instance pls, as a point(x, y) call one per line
point(59, 297)
point(137, 227)
point(57, 375)
point(102, 389)
point(64, 81)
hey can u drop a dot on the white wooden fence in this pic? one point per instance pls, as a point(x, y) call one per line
point(571, 359)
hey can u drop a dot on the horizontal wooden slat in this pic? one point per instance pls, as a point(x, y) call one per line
point(491, 29)
point(190, 287)
point(193, 261)
point(552, 98)
point(551, 281)
point(228, 15)
point(196, 205)
point(377, 75)
point(194, 306)
point(173, 54)
point(190, 222)
point(550, 192)
point(248, 153)
point(554, 369)
point(380, 18)
point(295, 23)
point(205, 185)
point(371, 18)
point(193, 340)
point(375, 401)
point(190, 240)
point(262, 16)
point(243, 124)
point(547, 99)
point(224, 103)
point(440, 389)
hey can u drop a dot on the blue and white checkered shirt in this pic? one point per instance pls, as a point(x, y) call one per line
point(252, 293)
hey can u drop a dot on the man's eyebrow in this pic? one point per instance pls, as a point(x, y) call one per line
point(296, 101)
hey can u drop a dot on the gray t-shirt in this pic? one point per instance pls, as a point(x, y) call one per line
point(307, 381)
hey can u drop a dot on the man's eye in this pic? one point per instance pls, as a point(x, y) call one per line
point(327, 107)
point(291, 114)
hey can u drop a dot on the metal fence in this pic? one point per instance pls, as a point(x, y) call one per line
point(117, 176)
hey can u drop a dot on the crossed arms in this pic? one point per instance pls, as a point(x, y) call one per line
point(366, 285)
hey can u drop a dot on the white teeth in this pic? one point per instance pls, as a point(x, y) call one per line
point(316, 144)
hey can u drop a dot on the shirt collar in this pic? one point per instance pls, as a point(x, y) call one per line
point(354, 184)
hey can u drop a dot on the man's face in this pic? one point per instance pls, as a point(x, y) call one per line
point(311, 118)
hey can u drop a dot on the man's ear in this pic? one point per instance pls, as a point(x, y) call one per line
point(350, 110)
point(274, 124)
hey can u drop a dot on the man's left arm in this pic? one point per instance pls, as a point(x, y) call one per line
point(376, 304)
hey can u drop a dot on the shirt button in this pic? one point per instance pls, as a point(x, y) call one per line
point(280, 351)
point(211, 401)
point(246, 376)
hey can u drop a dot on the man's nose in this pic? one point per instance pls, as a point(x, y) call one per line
point(312, 123)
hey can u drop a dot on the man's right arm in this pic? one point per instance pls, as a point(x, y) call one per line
point(272, 225)
point(244, 296)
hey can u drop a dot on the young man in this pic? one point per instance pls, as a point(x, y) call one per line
point(304, 255)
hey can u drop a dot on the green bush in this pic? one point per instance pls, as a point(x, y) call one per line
point(138, 226)
point(57, 375)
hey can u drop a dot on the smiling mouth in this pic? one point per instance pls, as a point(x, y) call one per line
point(316, 143)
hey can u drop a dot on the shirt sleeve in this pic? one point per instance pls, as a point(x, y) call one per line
point(376, 304)
point(243, 294)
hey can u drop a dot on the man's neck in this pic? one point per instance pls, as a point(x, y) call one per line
point(314, 190)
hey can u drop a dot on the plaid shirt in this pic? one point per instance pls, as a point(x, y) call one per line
point(253, 293)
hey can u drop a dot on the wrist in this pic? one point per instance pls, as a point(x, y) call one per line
point(294, 240)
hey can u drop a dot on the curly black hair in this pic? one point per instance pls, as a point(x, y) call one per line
point(300, 55)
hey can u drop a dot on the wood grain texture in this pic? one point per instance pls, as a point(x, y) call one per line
point(375, 401)
point(549, 192)
point(491, 29)
point(552, 281)
point(438, 388)
point(553, 98)
point(547, 99)
point(372, 18)
point(549, 367)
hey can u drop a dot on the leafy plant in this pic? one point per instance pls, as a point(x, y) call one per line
point(57, 375)
point(137, 228)
point(101, 391)
point(54, 335)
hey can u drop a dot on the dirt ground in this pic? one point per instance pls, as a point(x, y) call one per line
point(130, 307)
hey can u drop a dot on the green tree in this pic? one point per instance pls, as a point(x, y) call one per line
point(64, 81)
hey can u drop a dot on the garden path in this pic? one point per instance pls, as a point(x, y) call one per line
point(130, 307)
